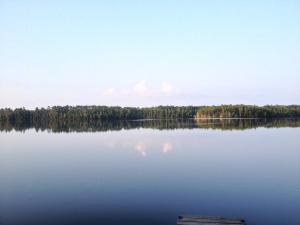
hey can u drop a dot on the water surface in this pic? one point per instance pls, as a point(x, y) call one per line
point(149, 172)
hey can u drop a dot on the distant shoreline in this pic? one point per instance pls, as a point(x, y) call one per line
point(90, 114)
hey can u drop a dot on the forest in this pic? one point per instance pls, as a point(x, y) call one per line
point(78, 114)
point(248, 111)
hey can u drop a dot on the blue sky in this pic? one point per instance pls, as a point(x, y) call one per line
point(144, 53)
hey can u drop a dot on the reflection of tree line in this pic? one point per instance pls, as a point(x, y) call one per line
point(99, 125)
point(243, 124)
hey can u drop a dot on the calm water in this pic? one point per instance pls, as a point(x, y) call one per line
point(150, 172)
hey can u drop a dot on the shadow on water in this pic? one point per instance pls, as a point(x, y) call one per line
point(102, 126)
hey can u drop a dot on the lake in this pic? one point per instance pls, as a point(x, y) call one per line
point(149, 172)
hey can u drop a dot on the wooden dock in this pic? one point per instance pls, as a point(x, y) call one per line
point(208, 220)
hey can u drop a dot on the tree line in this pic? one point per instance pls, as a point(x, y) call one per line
point(248, 111)
point(93, 113)
point(73, 114)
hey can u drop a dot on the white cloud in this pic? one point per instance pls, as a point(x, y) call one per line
point(141, 89)
point(125, 92)
point(166, 88)
point(109, 92)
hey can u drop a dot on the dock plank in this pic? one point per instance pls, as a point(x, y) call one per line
point(208, 220)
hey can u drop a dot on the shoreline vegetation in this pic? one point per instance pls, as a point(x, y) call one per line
point(95, 113)
point(97, 118)
point(158, 112)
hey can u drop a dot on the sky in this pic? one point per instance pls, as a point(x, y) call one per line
point(148, 53)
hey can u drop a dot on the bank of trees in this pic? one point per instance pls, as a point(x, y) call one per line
point(69, 114)
point(248, 111)
point(93, 113)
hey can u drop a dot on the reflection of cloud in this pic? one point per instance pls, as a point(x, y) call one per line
point(110, 144)
point(167, 147)
point(141, 148)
